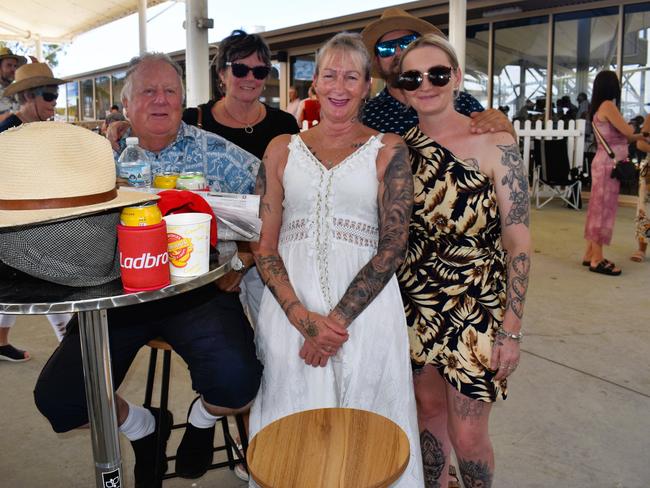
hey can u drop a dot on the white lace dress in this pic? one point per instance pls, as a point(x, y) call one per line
point(329, 232)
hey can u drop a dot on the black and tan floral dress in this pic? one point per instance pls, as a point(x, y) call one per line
point(453, 279)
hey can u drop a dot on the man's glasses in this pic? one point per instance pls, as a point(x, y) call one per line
point(48, 96)
point(241, 70)
point(386, 49)
point(412, 80)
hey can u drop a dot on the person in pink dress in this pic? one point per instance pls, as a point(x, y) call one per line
point(603, 203)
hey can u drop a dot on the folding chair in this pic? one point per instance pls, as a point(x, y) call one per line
point(553, 173)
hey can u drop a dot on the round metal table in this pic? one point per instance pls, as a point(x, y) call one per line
point(21, 294)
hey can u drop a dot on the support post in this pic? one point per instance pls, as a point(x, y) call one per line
point(197, 58)
point(457, 30)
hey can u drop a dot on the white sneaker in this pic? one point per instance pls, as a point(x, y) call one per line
point(240, 472)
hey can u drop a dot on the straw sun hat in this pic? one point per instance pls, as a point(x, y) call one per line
point(5, 53)
point(55, 171)
point(393, 19)
point(32, 75)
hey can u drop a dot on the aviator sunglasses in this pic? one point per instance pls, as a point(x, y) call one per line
point(386, 49)
point(241, 70)
point(47, 95)
point(412, 80)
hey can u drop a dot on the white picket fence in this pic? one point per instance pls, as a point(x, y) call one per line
point(574, 133)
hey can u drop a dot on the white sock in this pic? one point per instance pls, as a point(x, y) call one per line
point(200, 417)
point(138, 424)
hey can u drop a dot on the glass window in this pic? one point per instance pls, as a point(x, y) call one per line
point(585, 44)
point(302, 72)
point(271, 93)
point(87, 100)
point(102, 96)
point(72, 91)
point(118, 84)
point(520, 62)
point(636, 62)
point(476, 62)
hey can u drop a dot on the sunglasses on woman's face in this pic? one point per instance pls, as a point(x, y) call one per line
point(386, 49)
point(412, 80)
point(47, 96)
point(241, 70)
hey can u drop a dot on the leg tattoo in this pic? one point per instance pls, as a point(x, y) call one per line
point(475, 474)
point(433, 459)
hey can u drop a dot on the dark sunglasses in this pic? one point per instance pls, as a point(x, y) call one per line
point(386, 49)
point(47, 96)
point(411, 80)
point(241, 70)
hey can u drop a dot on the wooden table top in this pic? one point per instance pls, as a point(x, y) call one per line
point(329, 447)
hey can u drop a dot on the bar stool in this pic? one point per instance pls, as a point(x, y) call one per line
point(233, 453)
point(326, 447)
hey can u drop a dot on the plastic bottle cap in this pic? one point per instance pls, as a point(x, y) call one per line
point(132, 141)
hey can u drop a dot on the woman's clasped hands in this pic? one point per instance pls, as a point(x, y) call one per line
point(323, 338)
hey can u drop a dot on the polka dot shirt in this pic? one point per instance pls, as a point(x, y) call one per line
point(387, 114)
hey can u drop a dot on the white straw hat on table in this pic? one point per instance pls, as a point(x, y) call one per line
point(55, 171)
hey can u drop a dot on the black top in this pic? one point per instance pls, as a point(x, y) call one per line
point(11, 121)
point(275, 123)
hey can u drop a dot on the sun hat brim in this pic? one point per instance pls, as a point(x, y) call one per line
point(125, 198)
point(35, 82)
point(400, 21)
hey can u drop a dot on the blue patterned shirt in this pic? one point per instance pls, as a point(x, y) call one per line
point(387, 114)
point(227, 167)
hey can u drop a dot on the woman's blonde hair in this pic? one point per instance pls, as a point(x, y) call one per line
point(432, 40)
point(348, 43)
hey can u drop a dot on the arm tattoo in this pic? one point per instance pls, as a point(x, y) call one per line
point(395, 215)
point(275, 276)
point(473, 163)
point(517, 182)
point(518, 270)
point(260, 187)
point(475, 473)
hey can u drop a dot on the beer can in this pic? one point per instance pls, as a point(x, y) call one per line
point(165, 180)
point(191, 180)
point(147, 213)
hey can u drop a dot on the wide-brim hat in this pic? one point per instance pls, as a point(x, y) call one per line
point(393, 19)
point(32, 75)
point(5, 53)
point(54, 171)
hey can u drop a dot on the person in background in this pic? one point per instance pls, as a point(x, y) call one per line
point(37, 90)
point(385, 39)
point(10, 353)
point(583, 106)
point(111, 118)
point(465, 276)
point(309, 109)
point(9, 63)
point(336, 202)
point(294, 102)
point(207, 327)
point(642, 220)
point(603, 203)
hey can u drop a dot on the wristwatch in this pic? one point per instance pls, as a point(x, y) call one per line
point(237, 264)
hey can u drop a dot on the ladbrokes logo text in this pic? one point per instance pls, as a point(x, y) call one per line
point(145, 261)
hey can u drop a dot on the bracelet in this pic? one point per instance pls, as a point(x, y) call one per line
point(510, 335)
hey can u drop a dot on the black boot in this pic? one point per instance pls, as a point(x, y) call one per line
point(195, 451)
point(145, 452)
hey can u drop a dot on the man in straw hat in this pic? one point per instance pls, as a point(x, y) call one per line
point(9, 62)
point(36, 89)
point(385, 39)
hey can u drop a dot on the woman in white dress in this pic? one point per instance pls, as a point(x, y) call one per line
point(336, 205)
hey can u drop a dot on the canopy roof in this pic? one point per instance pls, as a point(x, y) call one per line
point(57, 21)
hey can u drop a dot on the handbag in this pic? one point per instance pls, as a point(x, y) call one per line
point(623, 170)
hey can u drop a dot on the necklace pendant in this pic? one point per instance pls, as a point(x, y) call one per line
point(248, 129)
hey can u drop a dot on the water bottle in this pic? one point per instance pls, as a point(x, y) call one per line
point(132, 165)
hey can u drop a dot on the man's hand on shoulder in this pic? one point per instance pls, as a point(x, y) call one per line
point(491, 120)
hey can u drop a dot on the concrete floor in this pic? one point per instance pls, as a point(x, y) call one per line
point(578, 414)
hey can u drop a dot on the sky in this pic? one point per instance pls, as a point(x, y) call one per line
point(117, 42)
